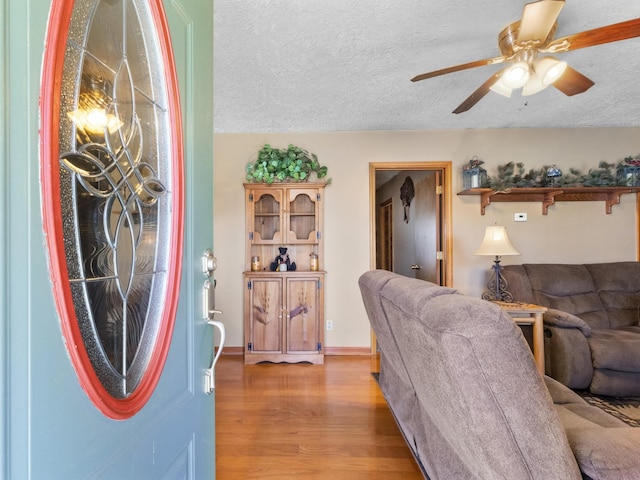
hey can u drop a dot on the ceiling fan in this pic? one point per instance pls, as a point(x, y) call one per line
point(525, 45)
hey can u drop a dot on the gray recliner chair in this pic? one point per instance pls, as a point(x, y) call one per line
point(592, 337)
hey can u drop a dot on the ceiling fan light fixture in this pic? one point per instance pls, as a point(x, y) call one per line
point(522, 41)
point(549, 70)
point(516, 76)
point(501, 88)
point(533, 86)
point(545, 71)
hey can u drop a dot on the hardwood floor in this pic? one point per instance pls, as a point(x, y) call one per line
point(276, 421)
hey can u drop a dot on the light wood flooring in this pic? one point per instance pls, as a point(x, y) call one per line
point(292, 421)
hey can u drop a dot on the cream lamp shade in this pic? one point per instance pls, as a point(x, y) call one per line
point(496, 242)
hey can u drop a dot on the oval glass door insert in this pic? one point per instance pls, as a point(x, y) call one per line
point(112, 193)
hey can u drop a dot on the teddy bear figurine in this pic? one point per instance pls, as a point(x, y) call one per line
point(283, 259)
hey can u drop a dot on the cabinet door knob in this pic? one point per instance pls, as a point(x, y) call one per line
point(415, 267)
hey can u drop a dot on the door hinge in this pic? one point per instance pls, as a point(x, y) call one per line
point(318, 235)
point(249, 286)
point(439, 190)
point(250, 346)
point(319, 346)
point(250, 235)
point(317, 197)
point(319, 284)
point(439, 256)
point(251, 197)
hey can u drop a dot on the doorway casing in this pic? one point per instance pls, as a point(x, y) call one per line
point(444, 168)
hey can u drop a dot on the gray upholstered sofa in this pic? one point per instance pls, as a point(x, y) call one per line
point(463, 386)
point(592, 337)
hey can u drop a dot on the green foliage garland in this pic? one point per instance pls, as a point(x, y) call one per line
point(514, 175)
point(285, 164)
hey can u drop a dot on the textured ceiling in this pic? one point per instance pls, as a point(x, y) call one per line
point(337, 65)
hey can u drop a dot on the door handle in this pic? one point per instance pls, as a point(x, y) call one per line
point(209, 313)
point(209, 376)
point(415, 267)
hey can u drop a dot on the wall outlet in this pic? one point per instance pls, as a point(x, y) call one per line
point(329, 325)
point(520, 217)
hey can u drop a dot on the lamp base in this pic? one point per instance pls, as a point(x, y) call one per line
point(497, 285)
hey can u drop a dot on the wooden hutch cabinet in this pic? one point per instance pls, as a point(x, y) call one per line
point(284, 309)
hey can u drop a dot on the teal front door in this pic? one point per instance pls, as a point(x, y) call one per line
point(127, 415)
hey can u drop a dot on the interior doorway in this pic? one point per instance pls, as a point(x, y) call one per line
point(410, 220)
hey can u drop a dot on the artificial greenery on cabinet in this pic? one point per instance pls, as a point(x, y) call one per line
point(285, 164)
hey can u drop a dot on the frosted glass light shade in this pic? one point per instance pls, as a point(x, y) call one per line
point(545, 71)
point(516, 76)
point(549, 70)
point(501, 88)
point(496, 242)
point(533, 86)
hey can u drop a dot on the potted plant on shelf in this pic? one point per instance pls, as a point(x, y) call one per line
point(293, 164)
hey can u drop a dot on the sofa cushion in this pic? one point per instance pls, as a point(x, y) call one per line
point(618, 285)
point(606, 453)
point(569, 288)
point(604, 446)
point(615, 383)
point(617, 349)
point(393, 378)
point(518, 283)
point(575, 412)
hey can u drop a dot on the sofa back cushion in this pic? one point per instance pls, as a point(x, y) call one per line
point(618, 286)
point(393, 378)
point(569, 288)
point(604, 295)
point(371, 285)
point(476, 379)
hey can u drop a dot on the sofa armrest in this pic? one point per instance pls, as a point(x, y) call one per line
point(561, 319)
point(568, 356)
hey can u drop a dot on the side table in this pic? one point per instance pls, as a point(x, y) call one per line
point(529, 314)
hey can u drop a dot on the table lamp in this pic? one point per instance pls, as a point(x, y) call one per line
point(496, 243)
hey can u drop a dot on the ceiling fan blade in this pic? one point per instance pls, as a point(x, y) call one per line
point(597, 36)
point(538, 18)
point(573, 82)
point(476, 96)
point(457, 68)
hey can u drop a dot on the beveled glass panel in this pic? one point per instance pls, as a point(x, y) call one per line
point(115, 158)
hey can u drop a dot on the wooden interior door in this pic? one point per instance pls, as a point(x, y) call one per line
point(426, 229)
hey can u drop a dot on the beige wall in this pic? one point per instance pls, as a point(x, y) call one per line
point(572, 232)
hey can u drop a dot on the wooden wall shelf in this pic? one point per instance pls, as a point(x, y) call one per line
point(548, 196)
